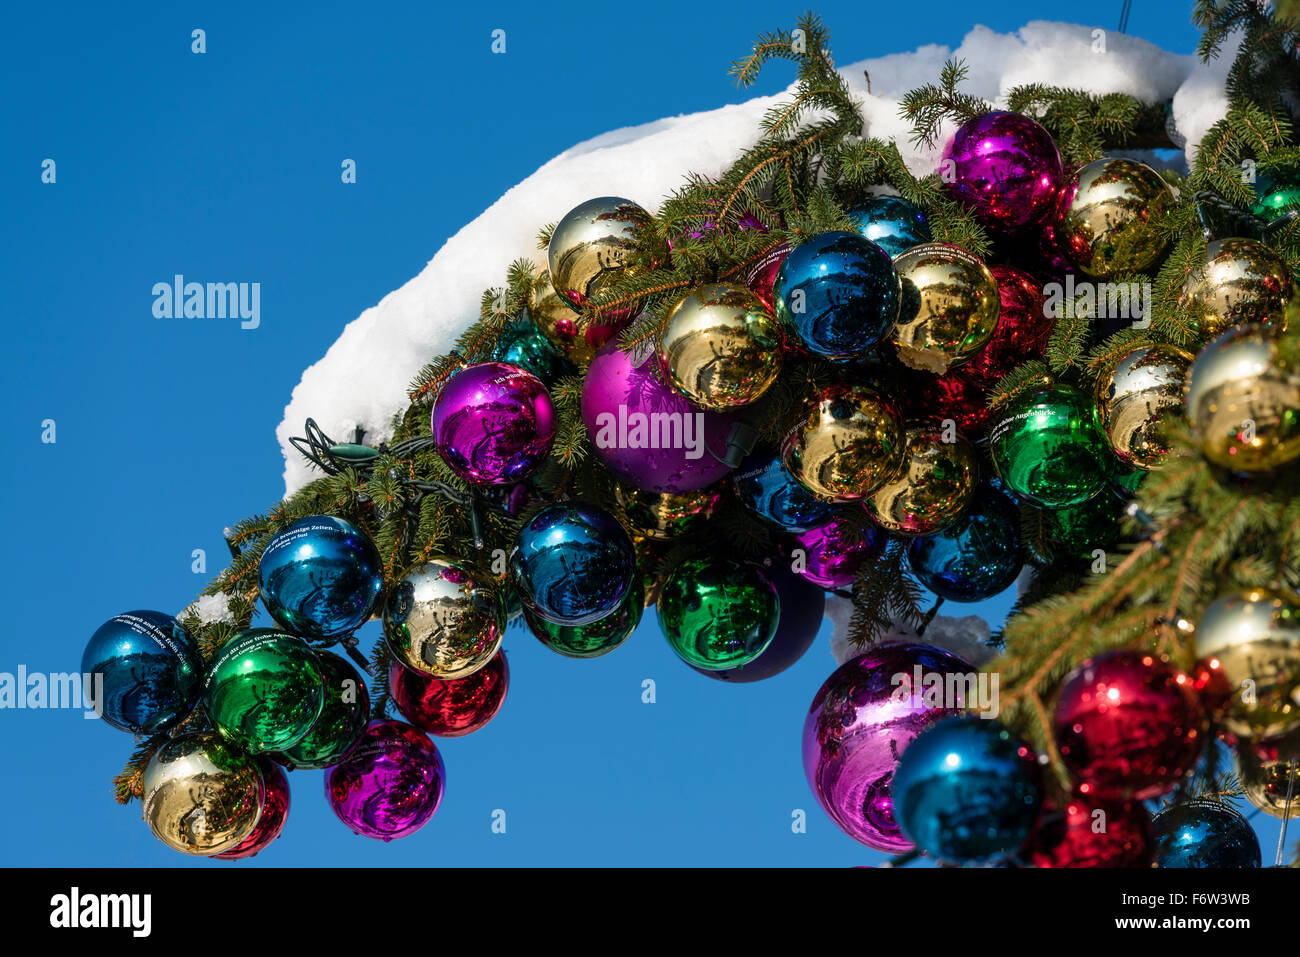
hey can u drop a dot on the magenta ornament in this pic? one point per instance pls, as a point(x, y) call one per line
point(649, 435)
point(862, 719)
point(389, 784)
point(493, 423)
point(833, 551)
point(1003, 167)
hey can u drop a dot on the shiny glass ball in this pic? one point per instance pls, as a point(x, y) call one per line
point(1205, 834)
point(150, 668)
point(767, 489)
point(848, 445)
point(201, 795)
point(445, 618)
point(265, 690)
point(343, 717)
point(718, 613)
point(891, 222)
point(573, 565)
point(978, 555)
point(1049, 448)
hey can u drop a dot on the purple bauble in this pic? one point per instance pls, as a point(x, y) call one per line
point(647, 434)
point(1005, 168)
point(834, 551)
point(494, 423)
point(389, 784)
point(862, 719)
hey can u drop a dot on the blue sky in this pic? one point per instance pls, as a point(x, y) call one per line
point(226, 166)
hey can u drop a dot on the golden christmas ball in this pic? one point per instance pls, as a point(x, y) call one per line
point(1240, 281)
point(934, 485)
point(721, 347)
point(1252, 638)
point(600, 243)
point(1269, 772)
point(665, 515)
point(201, 794)
point(444, 619)
point(949, 308)
point(1242, 406)
point(572, 334)
point(1109, 220)
point(1134, 392)
point(850, 443)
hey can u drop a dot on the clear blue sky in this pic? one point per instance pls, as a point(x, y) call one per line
point(226, 165)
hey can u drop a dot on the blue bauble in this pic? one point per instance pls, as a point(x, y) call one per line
point(838, 294)
point(524, 345)
point(765, 486)
point(1203, 833)
point(892, 223)
point(320, 577)
point(976, 556)
point(152, 671)
point(573, 564)
point(967, 791)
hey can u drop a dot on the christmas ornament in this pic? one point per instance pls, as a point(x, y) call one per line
point(1204, 833)
point(761, 278)
point(524, 345)
point(665, 515)
point(201, 795)
point(444, 619)
point(1239, 281)
point(1277, 191)
point(862, 719)
point(1074, 533)
point(574, 336)
point(1241, 403)
point(967, 791)
point(838, 294)
point(1134, 391)
point(830, 554)
point(389, 785)
point(1049, 448)
point(343, 717)
point(978, 555)
point(649, 435)
point(802, 606)
point(1269, 772)
point(1109, 220)
point(320, 577)
point(595, 639)
point(602, 242)
point(151, 671)
point(850, 443)
point(573, 565)
point(720, 347)
point(1088, 832)
point(717, 613)
point(493, 423)
point(949, 309)
point(264, 691)
point(275, 811)
point(1254, 637)
point(450, 707)
point(767, 489)
point(891, 222)
point(1023, 328)
point(934, 486)
point(955, 396)
point(1128, 725)
point(1003, 167)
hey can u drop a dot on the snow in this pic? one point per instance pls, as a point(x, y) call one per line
point(379, 352)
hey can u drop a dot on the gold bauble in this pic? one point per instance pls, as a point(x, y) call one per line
point(1134, 391)
point(1242, 406)
point(1240, 281)
point(933, 487)
point(1253, 639)
point(1269, 771)
point(201, 794)
point(949, 308)
point(445, 620)
point(1111, 221)
point(599, 244)
point(849, 445)
point(665, 515)
point(572, 334)
point(721, 347)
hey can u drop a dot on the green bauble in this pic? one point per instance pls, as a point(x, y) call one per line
point(1075, 532)
point(1049, 448)
point(1277, 191)
point(717, 613)
point(343, 717)
point(598, 638)
point(265, 690)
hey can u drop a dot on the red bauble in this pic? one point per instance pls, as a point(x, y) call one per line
point(1022, 331)
point(762, 275)
point(1128, 725)
point(275, 811)
point(1090, 833)
point(952, 396)
point(449, 708)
